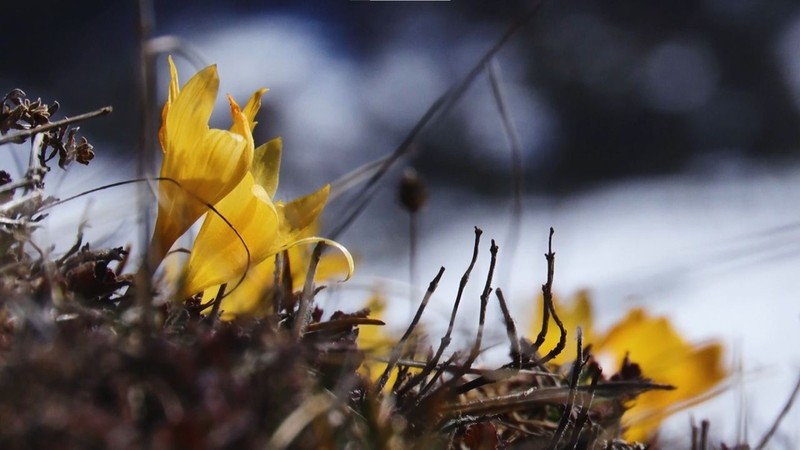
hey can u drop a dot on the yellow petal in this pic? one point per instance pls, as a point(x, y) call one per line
point(371, 338)
point(267, 164)
point(664, 357)
point(253, 105)
point(189, 111)
point(646, 339)
point(254, 295)
point(303, 212)
point(375, 341)
point(205, 163)
point(693, 373)
point(172, 94)
point(218, 255)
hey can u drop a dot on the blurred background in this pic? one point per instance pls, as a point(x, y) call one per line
point(661, 140)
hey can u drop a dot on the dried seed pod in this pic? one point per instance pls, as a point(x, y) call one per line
point(83, 152)
point(412, 191)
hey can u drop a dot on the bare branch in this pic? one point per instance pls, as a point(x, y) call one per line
point(15, 137)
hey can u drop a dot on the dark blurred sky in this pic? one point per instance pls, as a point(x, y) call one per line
point(623, 88)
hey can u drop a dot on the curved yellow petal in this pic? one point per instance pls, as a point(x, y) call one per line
point(329, 242)
point(254, 295)
point(333, 265)
point(218, 255)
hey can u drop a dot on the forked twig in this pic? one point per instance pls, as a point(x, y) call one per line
point(487, 290)
point(546, 288)
point(446, 339)
point(398, 348)
point(547, 301)
point(451, 386)
point(476, 346)
point(547, 309)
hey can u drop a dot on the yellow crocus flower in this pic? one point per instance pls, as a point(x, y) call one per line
point(206, 163)
point(267, 228)
point(652, 343)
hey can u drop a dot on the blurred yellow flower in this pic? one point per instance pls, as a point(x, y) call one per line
point(207, 163)
point(374, 339)
point(652, 343)
point(266, 227)
point(377, 344)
